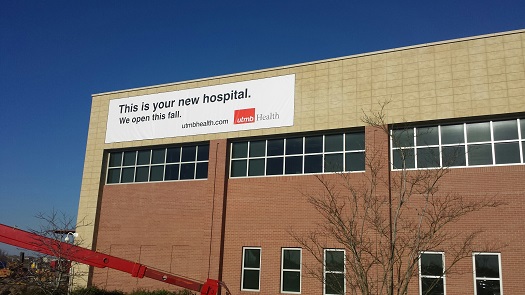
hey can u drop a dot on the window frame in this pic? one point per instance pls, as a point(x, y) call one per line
point(243, 268)
point(283, 270)
point(415, 147)
point(476, 278)
point(442, 277)
point(325, 272)
point(344, 151)
point(122, 167)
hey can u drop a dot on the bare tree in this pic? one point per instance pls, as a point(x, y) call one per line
point(385, 221)
point(47, 273)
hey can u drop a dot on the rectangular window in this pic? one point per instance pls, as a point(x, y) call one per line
point(334, 272)
point(459, 145)
point(159, 164)
point(487, 273)
point(251, 269)
point(299, 155)
point(291, 270)
point(431, 273)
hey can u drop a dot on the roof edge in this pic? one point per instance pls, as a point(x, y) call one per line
point(316, 62)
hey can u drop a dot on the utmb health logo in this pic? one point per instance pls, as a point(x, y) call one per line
point(249, 116)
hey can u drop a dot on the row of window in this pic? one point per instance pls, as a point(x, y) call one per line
point(432, 279)
point(454, 145)
point(299, 155)
point(160, 164)
point(487, 273)
point(465, 144)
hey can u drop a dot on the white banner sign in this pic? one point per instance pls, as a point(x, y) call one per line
point(247, 105)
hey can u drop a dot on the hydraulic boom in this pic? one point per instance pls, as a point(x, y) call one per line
point(34, 242)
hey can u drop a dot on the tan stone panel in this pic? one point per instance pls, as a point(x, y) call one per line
point(395, 67)
point(459, 59)
point(499, 109)
point(517, 92)
point(514, 68)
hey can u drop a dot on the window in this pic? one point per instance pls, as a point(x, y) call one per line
point(299, 155)
point(431, 273)
point(251, 269)
point(458, 145)
point(291, 270)
point(487, 273)
point(334, 272)
point(159, 164)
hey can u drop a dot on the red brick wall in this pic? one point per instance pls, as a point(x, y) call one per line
point(169, 225)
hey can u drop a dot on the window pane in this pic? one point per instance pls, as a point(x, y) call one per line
point(480, 154)
point(333, 143)
point(431, 264)
point(487, 266)
point(143, 157)
point(313, 144)
point(428, 157)
point(333, 163)
point(187, 171)
point(188, 154)
point(504, 130)
point(251, 280)
point(403, 137)
point(203, 152)
point(313, 164)
point(427, 136)
point(453, 156)
point(239, 150)
point(294, 146)
point(172, 172)
point(334, 283)
point(275, 147)
point(274, 166)
point(478, 132)
point(115, 159)
point(488, 287)
point(452, 134)
point(334, 261)
point(157, 173)
point(292, 259)
point(252, 258)
point(129, 158)
point(355, 141)
point(256, 167)
point(355, 161)
point(114, 175)
point(202, 170)
point(142, 174)
point(173, 155)
point(508, 152)
point(157, 156)
point(294, 165)
point(432, 286)
point(239, 168)
point(291, 281)
point(257, 148)
point(522, 127)
point(404, 157)
point(128, 175)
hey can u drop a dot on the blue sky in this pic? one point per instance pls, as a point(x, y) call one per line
point(55, 54)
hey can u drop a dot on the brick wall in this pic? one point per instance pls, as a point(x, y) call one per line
point(169, 225)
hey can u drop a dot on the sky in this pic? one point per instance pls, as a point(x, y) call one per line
point(55, 54)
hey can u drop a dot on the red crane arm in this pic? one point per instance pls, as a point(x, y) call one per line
point(34, 242)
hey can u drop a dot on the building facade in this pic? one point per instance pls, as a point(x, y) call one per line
point(211, 177)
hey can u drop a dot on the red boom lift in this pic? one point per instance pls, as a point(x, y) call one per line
point(23, 239)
